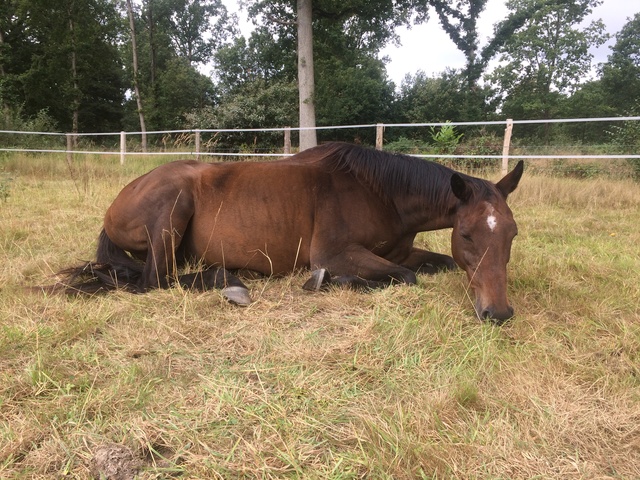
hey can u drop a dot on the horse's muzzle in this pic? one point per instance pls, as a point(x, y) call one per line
point(496, 316)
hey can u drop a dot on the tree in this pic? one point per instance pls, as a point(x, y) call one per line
point(180, 89)
point(433, 99)
point(621, 72)
point(459, 21)
point(174, 38)
point(136, 82)
point(353, 94)
point(331, 30)
point(253, 105)
point(68, 63)
point(589, 100)
point(546, 58)
point(14, 58)
point(198, 27)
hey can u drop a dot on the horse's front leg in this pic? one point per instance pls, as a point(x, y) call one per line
point(424, 261)
point(357, 267)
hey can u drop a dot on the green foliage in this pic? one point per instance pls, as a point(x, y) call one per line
point(480, 143)
point(68, 64)
point(180, 88)
point(253, 84)
point(621, 72)
point(198, 27)
point(261, 56)
point(352, 94)
point(445, 138)
point(626, 138)
point(431, 99)
point(460, 24)
point(257, 104)
point(363, 25)
point(407, 146)
point(546, 57)
point(16, 120)
point(564, 168)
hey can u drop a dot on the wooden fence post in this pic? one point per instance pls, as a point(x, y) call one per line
point(379, 136)
point(123, 146)
point(197, 144)
point(69, 148)
point(287, 140)
point(506, 145)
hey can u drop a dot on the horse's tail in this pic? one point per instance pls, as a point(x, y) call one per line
point(113, 269)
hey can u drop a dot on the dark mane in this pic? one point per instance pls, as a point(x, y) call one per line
point(391, 175)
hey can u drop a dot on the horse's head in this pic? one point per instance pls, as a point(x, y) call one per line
point(481, 241)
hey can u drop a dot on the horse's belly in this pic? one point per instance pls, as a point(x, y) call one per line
point(255, 216)
point(270, 253)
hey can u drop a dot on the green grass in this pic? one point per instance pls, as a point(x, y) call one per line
point(399, 383)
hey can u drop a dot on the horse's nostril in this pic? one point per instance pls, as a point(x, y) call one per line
point(497, 318)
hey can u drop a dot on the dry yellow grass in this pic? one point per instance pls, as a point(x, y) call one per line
point(397, 383)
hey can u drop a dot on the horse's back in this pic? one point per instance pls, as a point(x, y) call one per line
point(264, 216)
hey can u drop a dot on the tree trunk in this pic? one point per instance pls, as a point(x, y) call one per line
point(306, 84)
point(135, 76)
point(74, 77)
point(5, 105)
point(152, 45)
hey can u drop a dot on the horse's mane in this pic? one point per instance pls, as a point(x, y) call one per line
point(390, 175)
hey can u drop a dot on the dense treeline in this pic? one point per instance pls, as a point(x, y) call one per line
point(69, 66)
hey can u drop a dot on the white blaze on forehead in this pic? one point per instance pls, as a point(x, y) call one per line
point(491, 218)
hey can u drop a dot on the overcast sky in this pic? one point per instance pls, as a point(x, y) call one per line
point(427, 48)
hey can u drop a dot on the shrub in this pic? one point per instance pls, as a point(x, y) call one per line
point(485, 143)
point(627, 139)
point(446, 139)
point(561, 168)
point(407, 146)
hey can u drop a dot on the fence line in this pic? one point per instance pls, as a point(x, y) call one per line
point(380, 127)
point(419, 155)
point(339, 127)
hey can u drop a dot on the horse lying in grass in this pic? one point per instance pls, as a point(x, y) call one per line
point(350, 214)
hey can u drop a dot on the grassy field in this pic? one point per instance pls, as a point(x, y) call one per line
point(399, 383)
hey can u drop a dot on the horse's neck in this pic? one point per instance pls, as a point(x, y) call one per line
point(420, 215)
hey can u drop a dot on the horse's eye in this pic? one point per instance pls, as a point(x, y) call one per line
point(467, 238)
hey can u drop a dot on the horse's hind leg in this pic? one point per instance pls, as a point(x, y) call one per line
point(216, 277)
point(160, 264)
point(164, 236)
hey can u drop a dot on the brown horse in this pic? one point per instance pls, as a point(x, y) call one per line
point(350, 214)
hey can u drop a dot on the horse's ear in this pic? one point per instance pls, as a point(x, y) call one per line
point(510, 181)
point(460, 188)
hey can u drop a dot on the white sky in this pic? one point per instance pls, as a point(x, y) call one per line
point(427, 47)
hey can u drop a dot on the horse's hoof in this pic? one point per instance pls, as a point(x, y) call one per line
point(237, 296)
point(318, 278)
point(449, 264)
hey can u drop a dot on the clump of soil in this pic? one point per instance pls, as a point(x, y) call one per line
point(114, 462)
